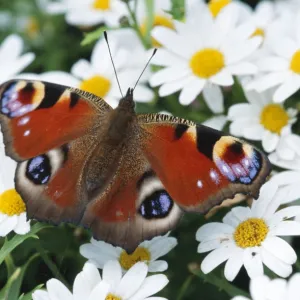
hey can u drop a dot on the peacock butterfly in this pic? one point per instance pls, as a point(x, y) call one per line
point(126, 176)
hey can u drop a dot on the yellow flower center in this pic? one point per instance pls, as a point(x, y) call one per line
point(207, 62)
point(112, 297)
point(273, 117)
point(258, 32)
point(251, 233)
point(97, 85)
point(158, 21)
point(295, 62)
point(32, 27)
point(128, 260)
point(11, 203)
point(215, 6)
point(101, 4)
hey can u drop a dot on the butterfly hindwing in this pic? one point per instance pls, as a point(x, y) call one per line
point(200, 166)
point(135, 206)
point(53, 185)
point(39, 116)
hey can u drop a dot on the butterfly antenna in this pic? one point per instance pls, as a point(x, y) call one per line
point(112, 61)
point(154, 51)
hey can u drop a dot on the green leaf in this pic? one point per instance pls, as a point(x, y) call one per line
point(10, 245)
point(93, 36)
point(28, 296)
point(221, 284)
point(13, 290)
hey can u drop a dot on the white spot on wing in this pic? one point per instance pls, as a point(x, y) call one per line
point(199, 184)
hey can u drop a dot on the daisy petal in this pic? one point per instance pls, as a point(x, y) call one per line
point(213, 97)
point(57, 290)
point(269, 141)
point(215, 258)
point(132, 280)
point(112, 273)
point(287, 89)
point(223, 78)
point(100, 292)
point(252, 262)
point(191, 90)
point(233, 264)
point(158, 266)
point(150, 286)
point(287, 228)
point(207, 230)
point(7, 225)
point(276, 265)
point(280, 249)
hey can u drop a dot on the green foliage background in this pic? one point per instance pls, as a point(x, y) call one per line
point(55, 253)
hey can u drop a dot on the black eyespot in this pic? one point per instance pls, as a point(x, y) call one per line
point(156, 206)
point(39, 169)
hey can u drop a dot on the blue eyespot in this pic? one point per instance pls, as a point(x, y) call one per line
point(38, 169)
point(157, 205)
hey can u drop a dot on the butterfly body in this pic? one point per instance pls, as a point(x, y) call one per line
point(126, 176)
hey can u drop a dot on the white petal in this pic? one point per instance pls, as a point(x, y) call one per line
point(276, 265)
point(215, 258)
point(57, 290)
point(212, 228)
point(158, 266)
point(287, 228)
point(7, 225)
point(267, 81)
point(280, 249)
point(166, 58)
point(11, 48)
point(85, 281)
point(23, 226)
point(266, 195)
point(242, 68)
point(190, 91)
point(143, 94)
point(172, 87)
point(100, 292)
point(293, 287)
point(217, 122)
point(255, 132)
point(269, 141)
point(132, 280)
point(112, 273)
point(150, 286)
point(237, 128)
point(287, 89)
point(168, 74)
point(162, 246)
point(285, 47)
point(276, 289)
point(40, 295)
point(258, 287)
point(241, 110)
point(213, 97)
point(60, 77)
point(82, 69)
point(253, 262)
point(284, 214)
point(212, 244)
point(233, 264)
point(223, 78)
point(273, 63)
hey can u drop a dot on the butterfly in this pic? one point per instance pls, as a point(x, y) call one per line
point(126, 176)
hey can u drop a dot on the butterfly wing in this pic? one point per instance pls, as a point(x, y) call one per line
point(37, 116)
point(199, 166)
point(50, 130)
point(135, 206)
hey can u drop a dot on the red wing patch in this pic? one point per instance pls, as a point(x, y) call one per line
point(199, 166)
point(37, 117)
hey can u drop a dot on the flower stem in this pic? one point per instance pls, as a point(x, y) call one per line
point(185, 286)
point(52, 266)
point(135, 25)
point(221, 284)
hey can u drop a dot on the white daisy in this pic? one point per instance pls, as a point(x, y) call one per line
point(216, 122)
point(98, 77)
point(12, 207)
point(99, 253)
point(264, 288)
point(281, 68)
point(261, 119)
point(11, 59)
point(89, 12)
point(288, 157)
point(250, 237)
point(202, 55)
point(287, 154)
point(88, 285)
